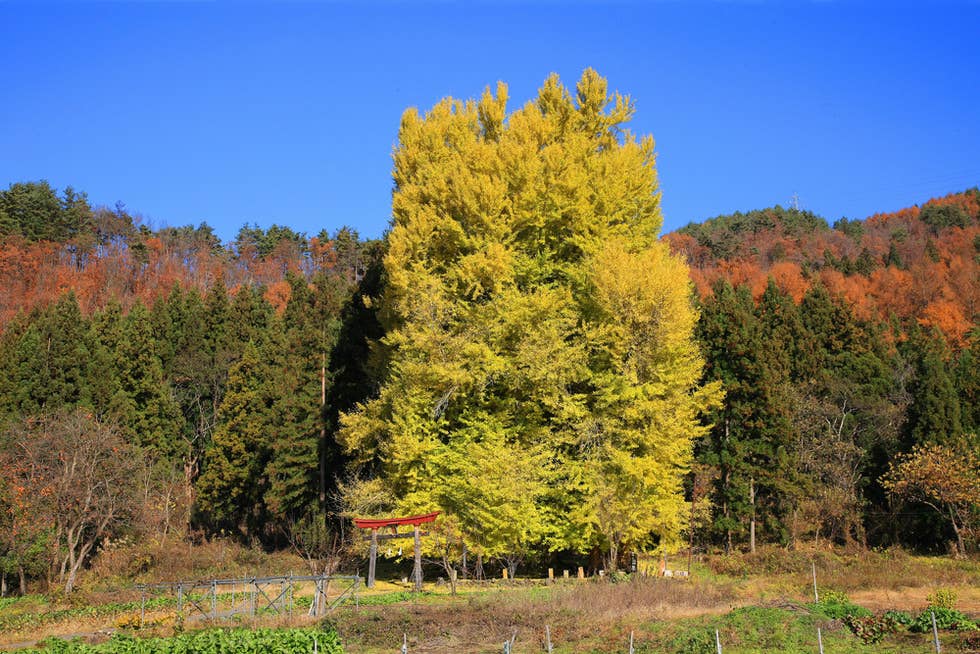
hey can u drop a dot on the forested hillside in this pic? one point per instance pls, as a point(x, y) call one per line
point(918, 264)
point(842, 351)
point(160, 383)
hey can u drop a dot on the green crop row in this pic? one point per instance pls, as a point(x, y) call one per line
point(210, 641)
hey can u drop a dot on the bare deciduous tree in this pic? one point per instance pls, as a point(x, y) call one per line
point(77, 475)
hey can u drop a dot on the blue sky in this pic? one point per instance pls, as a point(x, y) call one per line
point(287, 113)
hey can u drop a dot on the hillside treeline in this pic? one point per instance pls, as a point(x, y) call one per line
point(161, 383)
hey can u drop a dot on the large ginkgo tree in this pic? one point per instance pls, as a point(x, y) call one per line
point(540, 385)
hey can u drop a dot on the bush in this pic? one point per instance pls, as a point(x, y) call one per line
point(902, 618)
point(696, 641)
point(838, 606)
point(873, 628)
point(942, 598)
point(946, 619)
point(618, 577)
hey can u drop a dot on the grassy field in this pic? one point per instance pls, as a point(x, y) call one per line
point(756, 603)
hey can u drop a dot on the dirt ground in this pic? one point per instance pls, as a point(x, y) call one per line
point(913, 599)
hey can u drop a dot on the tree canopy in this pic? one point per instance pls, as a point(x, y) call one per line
point(540, 378)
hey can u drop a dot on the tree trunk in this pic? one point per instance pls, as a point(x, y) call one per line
point(190, 469)
point(22, 578)
point(478, 572)
point(417, 571)
point(3, 584)
point(76, 564)
point(613, 555)
point(690, 527)
point(752, 519)
point(960, 546)
point(323, 429)
point(447, 565)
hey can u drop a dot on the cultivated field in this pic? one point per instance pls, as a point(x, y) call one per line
point(756, 603)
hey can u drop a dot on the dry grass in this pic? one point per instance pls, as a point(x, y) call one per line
point(123, 564)
point(594, 615)
point(877, 580)
point(893, 569)
point(575, 612)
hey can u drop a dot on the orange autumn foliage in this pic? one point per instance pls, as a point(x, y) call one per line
point(921, 265)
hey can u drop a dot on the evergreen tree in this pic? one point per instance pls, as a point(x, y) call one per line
point(45, 361)
point(144, 402)
point(232, 484)
point(249, 317)
point(105, 338)
point(297, 354)
point(193, 369)
point(968, 385)
point(934, 415)
point(751, 435)
point(24, 374)
point(63, 333)
point(31, 210)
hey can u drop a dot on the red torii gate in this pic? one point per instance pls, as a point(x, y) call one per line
point(376, 524)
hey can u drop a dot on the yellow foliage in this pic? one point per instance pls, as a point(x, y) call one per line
point(541, 387)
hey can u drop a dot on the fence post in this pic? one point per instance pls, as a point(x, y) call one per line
point(816, 596)
point(819, 640)
point(718, 641)
point(935, 632)
point(547, 638)
point(404, 643)
point(632, 651)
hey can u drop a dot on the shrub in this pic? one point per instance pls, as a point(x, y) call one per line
point(942, 598)
point(902, 618)
point(837, 606)
point(873, 628)
point(695, 641)
point(946, 619)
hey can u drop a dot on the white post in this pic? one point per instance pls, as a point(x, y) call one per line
point(718, 641)
point(816, 596)
point(935, 632)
